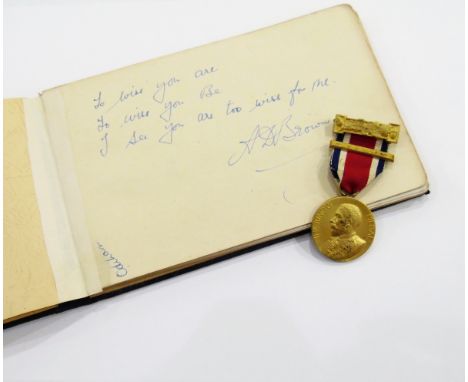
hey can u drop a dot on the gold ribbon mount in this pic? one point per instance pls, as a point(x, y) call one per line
point(390, 132)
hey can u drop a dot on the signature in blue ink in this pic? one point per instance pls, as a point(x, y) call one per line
point(285, 163)
point(263, 136)
point(121, 270)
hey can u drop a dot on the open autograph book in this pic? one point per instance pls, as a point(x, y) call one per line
point(164, 165)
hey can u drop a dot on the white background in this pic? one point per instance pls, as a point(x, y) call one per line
point(282, 313)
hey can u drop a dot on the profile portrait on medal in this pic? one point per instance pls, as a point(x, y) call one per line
point(345, 242)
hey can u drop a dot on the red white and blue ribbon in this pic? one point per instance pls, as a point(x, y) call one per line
point(352, 170)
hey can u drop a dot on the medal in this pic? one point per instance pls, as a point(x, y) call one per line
point(343, 228)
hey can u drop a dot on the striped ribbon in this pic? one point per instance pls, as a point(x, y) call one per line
point(354, 170)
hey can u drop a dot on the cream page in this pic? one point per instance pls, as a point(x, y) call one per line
point(28, 278)
point(197, 152)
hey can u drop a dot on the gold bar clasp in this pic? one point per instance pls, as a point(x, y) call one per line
point(390, 132)
point(363, 150)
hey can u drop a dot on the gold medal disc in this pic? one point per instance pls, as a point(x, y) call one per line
point(343, 228)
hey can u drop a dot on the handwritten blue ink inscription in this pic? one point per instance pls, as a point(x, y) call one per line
point(126, 95)
point(232, 108)
point(204, 72)
point(120, 269)
point(259, 102)
point(295, 91)
point(168, 136)
point(136, 138)
point(209, 91)
point(169, 107)
point(163, 105)
point(159, 94)
point(98, 101)
point(135, 116)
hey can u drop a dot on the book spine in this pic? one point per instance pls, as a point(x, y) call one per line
point(71, 273)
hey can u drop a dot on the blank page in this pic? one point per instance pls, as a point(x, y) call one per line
point(28, 283)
